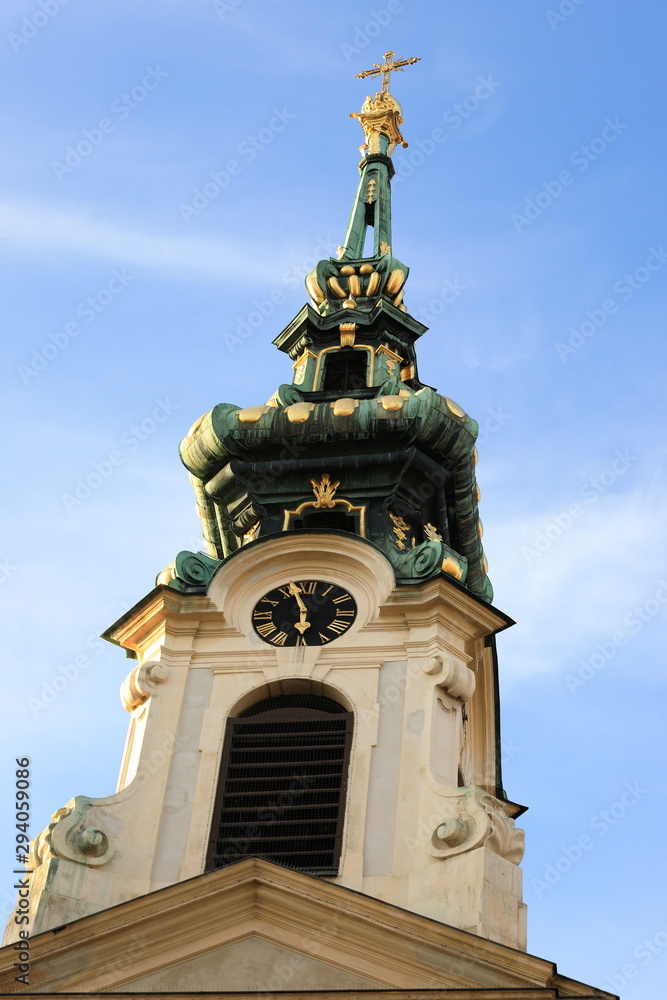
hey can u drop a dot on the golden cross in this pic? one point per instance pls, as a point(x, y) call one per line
point(386, 68)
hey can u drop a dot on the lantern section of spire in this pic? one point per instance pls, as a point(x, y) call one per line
point(354, 281)
point(380, 117)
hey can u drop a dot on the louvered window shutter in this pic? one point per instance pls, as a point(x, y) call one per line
point(282, 785)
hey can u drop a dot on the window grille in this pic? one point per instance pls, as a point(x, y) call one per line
point(345, 370)
point(282, 785)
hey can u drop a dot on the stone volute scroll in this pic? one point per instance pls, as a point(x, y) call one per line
point(141, 683)
point(73, 836)
point(454, 678)
point(468, 817)
point(472, 818)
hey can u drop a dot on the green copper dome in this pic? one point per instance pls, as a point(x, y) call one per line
point(355, 442)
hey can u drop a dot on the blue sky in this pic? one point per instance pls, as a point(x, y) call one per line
point(531, 211)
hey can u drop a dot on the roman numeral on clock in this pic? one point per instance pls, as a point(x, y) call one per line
point(338, 625)
point(315, 613)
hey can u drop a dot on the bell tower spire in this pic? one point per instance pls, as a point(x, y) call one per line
point(355, 413)
point(380, 117)
point(310, 797)
point(319, 687)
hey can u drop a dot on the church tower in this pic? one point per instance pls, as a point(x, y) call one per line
point(314, 706)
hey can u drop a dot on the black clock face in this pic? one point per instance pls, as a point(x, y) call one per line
point(304, 613)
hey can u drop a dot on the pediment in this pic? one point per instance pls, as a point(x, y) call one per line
point(236, 928)
point(254, 964)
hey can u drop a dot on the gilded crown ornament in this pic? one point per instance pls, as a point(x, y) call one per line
point(382, 115)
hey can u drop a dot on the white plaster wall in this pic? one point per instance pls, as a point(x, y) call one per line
point(401, 669)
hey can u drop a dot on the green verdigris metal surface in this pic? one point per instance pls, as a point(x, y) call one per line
point(418, 452)
point(356, 442)
point(371, 205)
point(189, 573)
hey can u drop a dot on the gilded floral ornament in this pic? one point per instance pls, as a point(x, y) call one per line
point(252, 533)
point(401, 529)
point(324, 491)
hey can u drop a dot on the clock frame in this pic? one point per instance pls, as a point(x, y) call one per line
point(304, 613)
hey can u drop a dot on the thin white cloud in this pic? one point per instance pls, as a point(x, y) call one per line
point(581, 589)
point(39, 228)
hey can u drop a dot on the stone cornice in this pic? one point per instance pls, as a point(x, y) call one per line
point(477, 617)
point(439, 602)
point(395, 947)
point(160, 611)
point(547, 993)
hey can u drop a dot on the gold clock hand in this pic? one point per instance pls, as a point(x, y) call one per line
point(295, 591)
point(302, 624)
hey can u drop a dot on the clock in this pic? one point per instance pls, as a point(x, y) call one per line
point(304, 613)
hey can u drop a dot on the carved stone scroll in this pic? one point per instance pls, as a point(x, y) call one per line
point(454, 678)
point(73, 837)
point(472, 818)
point(140, 684)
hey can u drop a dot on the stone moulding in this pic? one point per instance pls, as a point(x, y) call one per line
point(414, 957)
point(472, 818)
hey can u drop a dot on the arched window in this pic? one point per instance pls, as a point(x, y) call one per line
point(283, 779)
point(345, 370)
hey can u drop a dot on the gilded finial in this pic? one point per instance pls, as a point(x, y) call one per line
point(381, 115)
